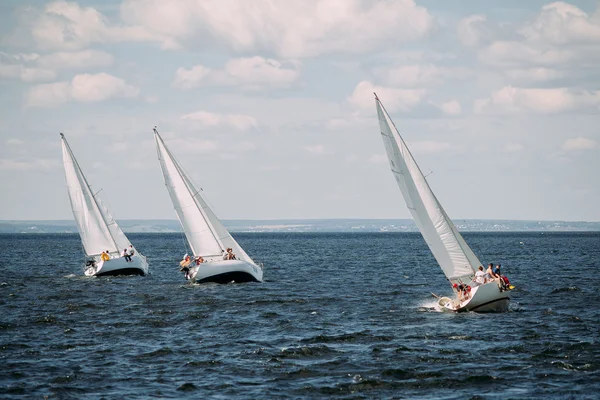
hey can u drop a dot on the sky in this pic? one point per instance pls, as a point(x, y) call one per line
point(269, 105)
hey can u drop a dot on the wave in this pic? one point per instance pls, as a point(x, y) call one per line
point(306, 352)
point(566, 289)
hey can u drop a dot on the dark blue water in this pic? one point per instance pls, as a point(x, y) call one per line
point(339, 315)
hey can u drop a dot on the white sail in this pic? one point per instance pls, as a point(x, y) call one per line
point(97, 227)
point(205, 233)
point(115, 231)
point(447, 245)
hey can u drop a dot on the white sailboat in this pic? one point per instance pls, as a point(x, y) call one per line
point(98, 229)
point(455, 257)
point(206, 235)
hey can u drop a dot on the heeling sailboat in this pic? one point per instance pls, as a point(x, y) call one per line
point(206, 235)
point(455, 257)
point(98, 229)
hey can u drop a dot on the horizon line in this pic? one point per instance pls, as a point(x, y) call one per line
point(314, 219)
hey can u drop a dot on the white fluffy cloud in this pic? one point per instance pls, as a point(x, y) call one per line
point(192, 145)
point(432, 147)
point(472, 30)
point(418, 75)
point(26, 74)
point(559, 34)
point(208, 119)
point(505, 53)
point(509, 100)
point(513, 147)
point(317, 149)
point(562, 23)
point(298, 28)
point(63, 25)
point(250, 73)
point(18, 66)
point(36, 164)
point(451, 107)
point(395, 99)
point(34, 67)
point(75, 60)
point(579, 143)
point(533, 75)
point(83, 88)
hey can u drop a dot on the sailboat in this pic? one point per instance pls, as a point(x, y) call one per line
point(208, 239)
point(98, 230)
point(458, 262)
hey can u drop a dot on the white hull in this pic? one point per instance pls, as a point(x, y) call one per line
point(225, 271)
point(119, 266)
point(483, 298)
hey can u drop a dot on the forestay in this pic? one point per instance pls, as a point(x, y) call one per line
point(447, 245)
point(97, 227)
point(205, 233)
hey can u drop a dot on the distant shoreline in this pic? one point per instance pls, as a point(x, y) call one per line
point(310, 225)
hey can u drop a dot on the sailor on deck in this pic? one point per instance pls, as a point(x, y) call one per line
point(480, 276)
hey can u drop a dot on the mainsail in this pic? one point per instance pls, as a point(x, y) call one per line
point(97, 228)
point(450, 250)
point(205, 233)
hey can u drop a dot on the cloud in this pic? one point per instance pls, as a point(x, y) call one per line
point(515, 54)
point(514, 147)
point(472, 30)
point(561, 34)
point(303, 28)
point(31, 68)
point(418, 75)
point(83, 88)
point(451, 107)
point(250, 73)
point(529, 75)
point(76, 60)
point(579, 143)
point(14, 142)
point(432, 147)
point(561, 23)
point(317, 149)
point(63, 25)
point(394, 99)
point(36, 164)
point(24, 74)
point(189, 78)
point(13, 66)
point(192, 145)
point(378, 159)
point(208, 119)
point(511, 100)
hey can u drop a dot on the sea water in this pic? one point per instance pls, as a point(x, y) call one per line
point(348, 315)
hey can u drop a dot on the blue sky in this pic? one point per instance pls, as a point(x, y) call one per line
point(269, 107)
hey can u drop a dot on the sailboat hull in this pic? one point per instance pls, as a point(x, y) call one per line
point(119, 266)
point(484, 299)
point(226, 271)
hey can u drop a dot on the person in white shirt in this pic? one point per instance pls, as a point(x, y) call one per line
point(126, 255)
point(480, 276)
point(131, 251)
